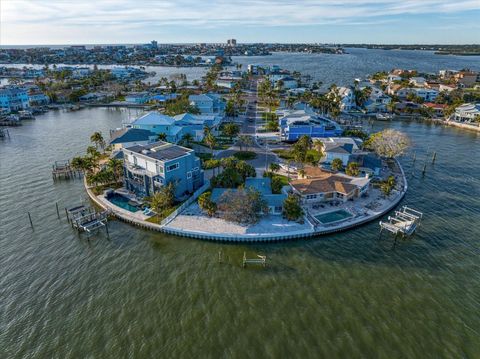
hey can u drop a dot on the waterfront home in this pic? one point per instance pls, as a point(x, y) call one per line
point(321, 186)
point(162, 98)
point(208, 103)
point(446, 87)
point(123, 73)
point(147, 168)
point(297, 123)
point(139, 98)
point(428, 95)
point(468, 112)
point(348, 99)
point(95, 97)
point(264, 187)
point(377, 101)
point(14, 99)
point(467, 78)
point(37, 98)
point(128, 137)
point(438, 109)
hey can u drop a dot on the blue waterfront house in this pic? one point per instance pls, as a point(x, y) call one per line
point(297, 123)
point(147, 168)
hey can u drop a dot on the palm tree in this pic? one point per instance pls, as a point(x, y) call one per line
point(274, 167)
point(162, 136)
point(116, 166)
point(97, 139)
point(210, 140)
point(318, 145)
point(187, 139)
point(244, 140)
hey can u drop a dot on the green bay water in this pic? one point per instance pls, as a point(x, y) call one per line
point(148, 295)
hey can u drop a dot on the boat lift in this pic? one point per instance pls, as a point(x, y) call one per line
point(404, 223)
point(87, 219)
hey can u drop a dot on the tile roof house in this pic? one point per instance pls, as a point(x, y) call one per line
point(323, 186)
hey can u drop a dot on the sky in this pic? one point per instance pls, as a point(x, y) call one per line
point(50, 22)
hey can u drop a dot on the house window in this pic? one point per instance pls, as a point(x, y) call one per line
point(278, 209)
point(173, 166)
point(311, 196)
point(189, 174)
point(195, 169)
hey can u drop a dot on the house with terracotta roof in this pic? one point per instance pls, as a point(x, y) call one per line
point(437, 108)
point(318, 185)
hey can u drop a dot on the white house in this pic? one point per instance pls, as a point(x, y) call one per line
point(467, 112)
point(418, 81)
point(348, 99)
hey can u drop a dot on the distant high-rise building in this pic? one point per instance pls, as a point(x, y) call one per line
point(232, 42)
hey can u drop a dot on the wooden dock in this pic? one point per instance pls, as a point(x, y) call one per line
point(261, 260)
point(64, 170)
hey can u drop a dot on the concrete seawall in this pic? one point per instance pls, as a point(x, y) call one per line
point(274, 237)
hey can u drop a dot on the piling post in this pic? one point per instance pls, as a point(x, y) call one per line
point(424, 169)
point(66, 214)
point(106, 229)
point(58, 212)
point(30, 219)
point(434, 157)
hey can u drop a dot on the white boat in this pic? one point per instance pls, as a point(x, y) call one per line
point(25, 115)
point(384, 116)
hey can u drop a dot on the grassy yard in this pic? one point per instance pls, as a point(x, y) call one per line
point(161, 216)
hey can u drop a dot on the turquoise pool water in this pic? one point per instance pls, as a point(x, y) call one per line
point(122, 202)
point(335, 216)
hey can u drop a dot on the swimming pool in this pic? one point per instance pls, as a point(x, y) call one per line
point(122, 202)
point(335, 216)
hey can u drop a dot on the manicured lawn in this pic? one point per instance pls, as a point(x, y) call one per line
point(245, 155)
point(284, 154)
point(161, 216)
point(284, 179)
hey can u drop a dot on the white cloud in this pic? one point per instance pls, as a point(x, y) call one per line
point(36, 17)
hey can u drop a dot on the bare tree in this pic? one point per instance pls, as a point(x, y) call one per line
point(389, 143)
